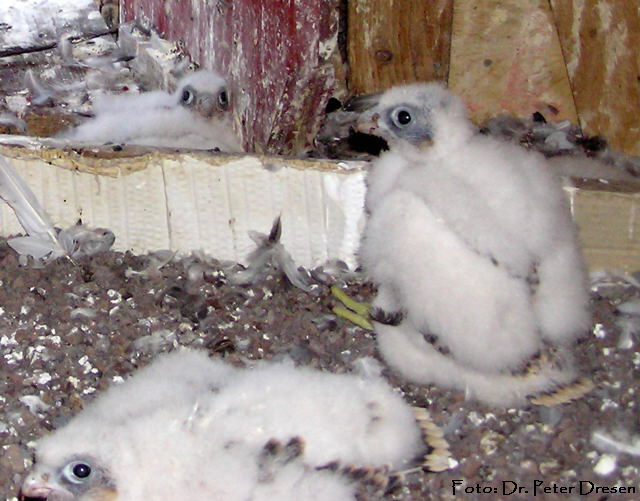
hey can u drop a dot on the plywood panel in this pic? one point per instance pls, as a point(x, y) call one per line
point(609, 228)
point(506, 58)
point(601, 44)
point(278, 55)
point(397, 41)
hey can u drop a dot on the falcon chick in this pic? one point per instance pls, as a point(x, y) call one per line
point(197, 116)
point(481, 283)
point(190, 427)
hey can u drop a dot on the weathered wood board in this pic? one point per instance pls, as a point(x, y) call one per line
point(397, 41)
point(506, 58)
point(601, 44)
point(279, 57)
point(609, 228)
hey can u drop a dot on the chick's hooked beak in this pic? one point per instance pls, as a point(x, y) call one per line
point(209, 105)
point(368, 123)
point(41, 486)
point(366, 105)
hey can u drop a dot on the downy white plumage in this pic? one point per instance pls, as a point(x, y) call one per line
point(471, 239)
point(196, 116)
point(190, 427)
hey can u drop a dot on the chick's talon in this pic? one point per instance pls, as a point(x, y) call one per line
point(393, 318)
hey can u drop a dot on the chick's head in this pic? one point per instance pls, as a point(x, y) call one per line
point(205, 92)
point(416, 114)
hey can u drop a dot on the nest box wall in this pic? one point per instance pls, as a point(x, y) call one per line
point(570, 59)
point(280, 58)
point(578, 57)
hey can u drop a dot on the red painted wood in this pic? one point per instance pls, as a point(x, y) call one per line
point(278, 56)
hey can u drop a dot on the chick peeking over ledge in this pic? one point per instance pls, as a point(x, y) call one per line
point(198, 115)
point(481, 283)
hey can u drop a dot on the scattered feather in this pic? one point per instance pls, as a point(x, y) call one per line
point(612, 278)
point(630, 307)
point(333, 270)
point(66, 51)
point(42, 242)
point(34, 403)
point(571, 152)
point(629, 323)
point(80, 240)
point(40, 93)
point(155, 341)
point(582, 166)
point(607, 443)
point(270, 256)
point(65, 46)
point(155, 263)
point(550, 415)
point(10, 120)
point(83, 313)
point(629, 331)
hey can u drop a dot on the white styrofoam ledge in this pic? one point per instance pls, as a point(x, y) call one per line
point(186, 203)
point(193, 201)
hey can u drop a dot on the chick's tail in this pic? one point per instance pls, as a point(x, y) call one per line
point(544, 381)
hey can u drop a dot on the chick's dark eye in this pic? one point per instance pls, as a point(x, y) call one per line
point(187, 96)
point(82, 470)
point(403, 117)
point(76, 472)
point(223, 99)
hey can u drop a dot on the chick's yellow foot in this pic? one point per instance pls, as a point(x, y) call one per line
point(355, 312)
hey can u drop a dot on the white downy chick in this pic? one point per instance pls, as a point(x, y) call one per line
point(196, 116)
point(188, 427)
point(471, 239)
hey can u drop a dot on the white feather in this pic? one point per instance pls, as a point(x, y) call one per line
point(605, 442)
point(40, 94)
point(11, 120)
point(42, 240)
point(270, 255)
point(578, 165)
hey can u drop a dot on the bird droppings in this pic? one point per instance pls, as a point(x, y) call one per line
point(275, 320)
point(606, 465)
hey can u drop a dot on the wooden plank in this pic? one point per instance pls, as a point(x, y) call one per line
point(397, 41)
point(609, 228)
point(506, 58)
point(601, 40)
point(278, 56)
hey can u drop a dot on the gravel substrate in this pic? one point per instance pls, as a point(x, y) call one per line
point(69, 330)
